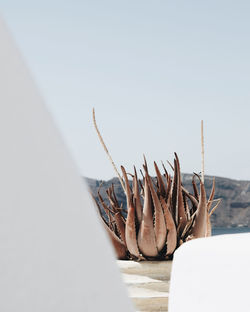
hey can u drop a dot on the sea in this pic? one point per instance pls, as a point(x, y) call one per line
point(236, 230)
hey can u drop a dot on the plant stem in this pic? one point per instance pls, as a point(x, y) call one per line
point(202, 154)
point(107, 152)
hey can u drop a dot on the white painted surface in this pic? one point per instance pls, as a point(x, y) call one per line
point(211, 275)
point(54, 255)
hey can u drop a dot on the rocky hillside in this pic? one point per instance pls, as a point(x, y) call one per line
point(234, 210)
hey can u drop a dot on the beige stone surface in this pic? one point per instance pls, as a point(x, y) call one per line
point(148, 283)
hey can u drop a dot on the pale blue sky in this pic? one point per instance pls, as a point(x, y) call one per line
point(151, 69)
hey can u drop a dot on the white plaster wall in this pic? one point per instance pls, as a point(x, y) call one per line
point(54, 255)
point(211, 275)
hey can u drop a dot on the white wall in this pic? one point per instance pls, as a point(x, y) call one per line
point(211, 275)
point(54, 255)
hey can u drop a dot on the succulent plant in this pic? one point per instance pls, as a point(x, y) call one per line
point(161, 214)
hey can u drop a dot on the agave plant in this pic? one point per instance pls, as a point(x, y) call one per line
point(161, 214)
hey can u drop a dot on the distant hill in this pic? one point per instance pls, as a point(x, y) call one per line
point(234, 210)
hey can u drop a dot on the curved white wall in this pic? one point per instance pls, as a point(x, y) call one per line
point(211, 275)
